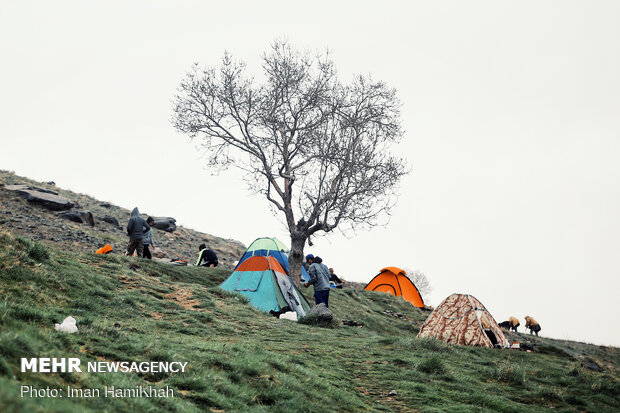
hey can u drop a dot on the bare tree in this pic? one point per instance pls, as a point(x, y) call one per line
point(316, 148)
point(420, 280)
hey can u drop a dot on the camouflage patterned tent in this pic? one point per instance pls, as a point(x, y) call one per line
point(462, 319)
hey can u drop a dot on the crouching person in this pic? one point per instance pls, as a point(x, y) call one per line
point(206, 257)
point(532, 325)
point(319, 278)
point(514, 323)
point(333, 278)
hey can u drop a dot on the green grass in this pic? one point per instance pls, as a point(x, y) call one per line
point(241, 359)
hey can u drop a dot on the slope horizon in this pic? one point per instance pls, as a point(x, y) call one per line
point(182, 222)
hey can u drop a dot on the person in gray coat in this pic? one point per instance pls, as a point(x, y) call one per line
point(147, 239)
point(136, 227)
point(319, 277)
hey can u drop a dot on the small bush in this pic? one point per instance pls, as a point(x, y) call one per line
point(507, 372)
point(553, 394)
point(21, 242)
point(432, 365)
point(314, 320)
point(432, 344)
point(38, 252)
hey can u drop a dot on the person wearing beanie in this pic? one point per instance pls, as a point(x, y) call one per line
point(319, 278)
point(308, 262)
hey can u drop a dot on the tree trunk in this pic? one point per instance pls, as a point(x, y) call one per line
point(296, 257)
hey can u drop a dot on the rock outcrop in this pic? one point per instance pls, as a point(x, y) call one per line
point(81, 217)
point(321, 312)
point(165, 224)
point(25, 187)
point(111, 220)
point(43, 197)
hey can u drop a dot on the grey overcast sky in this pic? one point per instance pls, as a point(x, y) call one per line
point(511, 111)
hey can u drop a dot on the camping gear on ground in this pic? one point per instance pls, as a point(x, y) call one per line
point(107, 248)
point(178, 261)
point(334, 285)
point(393, 280)
point(462, 319)
point(289, 315)
point(68, 325)
point(271, 247)
point(265, 283)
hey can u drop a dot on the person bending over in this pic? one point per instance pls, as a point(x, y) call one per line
point(532, 325)
point(206, 257)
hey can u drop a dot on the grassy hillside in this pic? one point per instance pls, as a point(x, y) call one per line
point(241, 359)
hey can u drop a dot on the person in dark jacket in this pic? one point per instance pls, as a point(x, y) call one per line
point(148, 239)
point(319, 277)
point(136, 227)
point(206, 257)
point(338, 283)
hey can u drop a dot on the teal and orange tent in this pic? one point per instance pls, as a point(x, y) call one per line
point(265, 283)
point(271, 247)
point(394, 280)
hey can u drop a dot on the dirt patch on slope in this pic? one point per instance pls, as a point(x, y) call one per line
point(184, 299)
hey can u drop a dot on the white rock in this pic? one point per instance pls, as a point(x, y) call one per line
point(289, 315)
point(68, 325)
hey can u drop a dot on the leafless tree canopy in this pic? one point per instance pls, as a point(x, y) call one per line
point(420, 280)
point(317, 148)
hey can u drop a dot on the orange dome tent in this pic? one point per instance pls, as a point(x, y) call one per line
point(393, 280)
